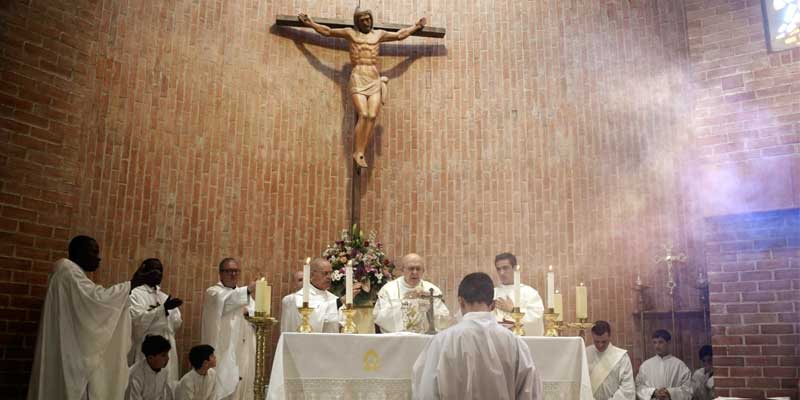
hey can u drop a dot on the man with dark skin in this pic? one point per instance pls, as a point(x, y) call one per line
point(84, 332)
point(367, 87)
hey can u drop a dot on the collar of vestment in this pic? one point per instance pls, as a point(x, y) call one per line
point(407, 286)
point(225, 287)
point(606, 361)
point(480, 316)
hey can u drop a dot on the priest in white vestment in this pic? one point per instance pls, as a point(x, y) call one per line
point(225, 329)
point(84, 332)
point(703, 378)
point(530, 302)
point(325, 317)
point(148, 377)
point(610, 367)
point(200, 382)
point(477, 358)
point(153, 312)
point(403, 303)
point(663, 376)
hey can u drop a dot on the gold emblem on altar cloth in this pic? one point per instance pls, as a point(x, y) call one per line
point(372, 361)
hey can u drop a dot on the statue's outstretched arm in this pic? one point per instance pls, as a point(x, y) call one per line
point(405, 32)
point(322, 29)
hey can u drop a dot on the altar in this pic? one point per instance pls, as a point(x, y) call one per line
point(327, 366)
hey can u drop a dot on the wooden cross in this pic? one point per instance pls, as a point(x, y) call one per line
point(291, 20)
point(366, 99)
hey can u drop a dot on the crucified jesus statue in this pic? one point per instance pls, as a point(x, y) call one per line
point(367, 87)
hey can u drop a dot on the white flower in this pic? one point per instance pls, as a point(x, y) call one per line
point(336, 275)
point(379, 276)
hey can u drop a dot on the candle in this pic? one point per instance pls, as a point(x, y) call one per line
point(263, 296)
point(551, 286)
point(306, 278)
point(558, 306)
point(348, 283)
point(581, 306)
point(516, 286)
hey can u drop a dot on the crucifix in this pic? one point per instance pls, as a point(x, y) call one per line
point(669, 259)
point(368, 88)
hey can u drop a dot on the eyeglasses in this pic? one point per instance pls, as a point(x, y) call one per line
point(229, 271)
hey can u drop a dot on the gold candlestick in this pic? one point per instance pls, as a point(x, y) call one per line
point(263, 324)
point(517, 315)
point(582, 325)
point(551, 325)
point(305, 312)
point(349, 324)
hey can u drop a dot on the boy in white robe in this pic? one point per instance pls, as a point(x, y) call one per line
point(153, 312)
point(530, 303)
point(199, 383)
point(226, 330)
point(477, 358)
point(325, 317)
point(703, 378)
point(610, 367)
point(149, 380)
point(663, 377)
point(403, 303)
point(84, 332)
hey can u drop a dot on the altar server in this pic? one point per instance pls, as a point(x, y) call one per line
point(477, 358)
point(663, 377)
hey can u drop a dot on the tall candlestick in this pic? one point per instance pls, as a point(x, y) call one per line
point(348, 283)
point(581, 302)
point(558, 306)
point(516, 285)
point(306, 279)
point(551, 286)
point(263, 296)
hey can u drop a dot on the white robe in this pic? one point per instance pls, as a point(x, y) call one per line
point(667, 372)
point(149, 318)
point(233, 339)
point(84, 337)
point(194, 386)
point(146, 384)
point(703, 385)
point(394, 313)
point(618, 383)
point(530, 303)
point(476, 359)
point(324, 318)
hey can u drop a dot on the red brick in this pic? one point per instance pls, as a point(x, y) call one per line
point(761, 339)
point(777, 329)
point(778, 350)
point(775, 307)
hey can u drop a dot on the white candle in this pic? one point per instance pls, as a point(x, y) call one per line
point(581, 303)
point(516, 286)
point(558, 306)
point(551, 286)
point(263, 296)
point(348, 283)
point(306, 280)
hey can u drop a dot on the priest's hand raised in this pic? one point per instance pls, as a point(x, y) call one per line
point(251, 288)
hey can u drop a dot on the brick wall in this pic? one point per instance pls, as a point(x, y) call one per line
point(754, 266)
point(746, 126)
point(193, 130)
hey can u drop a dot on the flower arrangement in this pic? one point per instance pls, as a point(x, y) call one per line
point(371, 268)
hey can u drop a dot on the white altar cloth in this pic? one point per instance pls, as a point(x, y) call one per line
point(316, 366)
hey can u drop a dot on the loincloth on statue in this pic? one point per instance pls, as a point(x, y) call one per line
point(366, 80)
